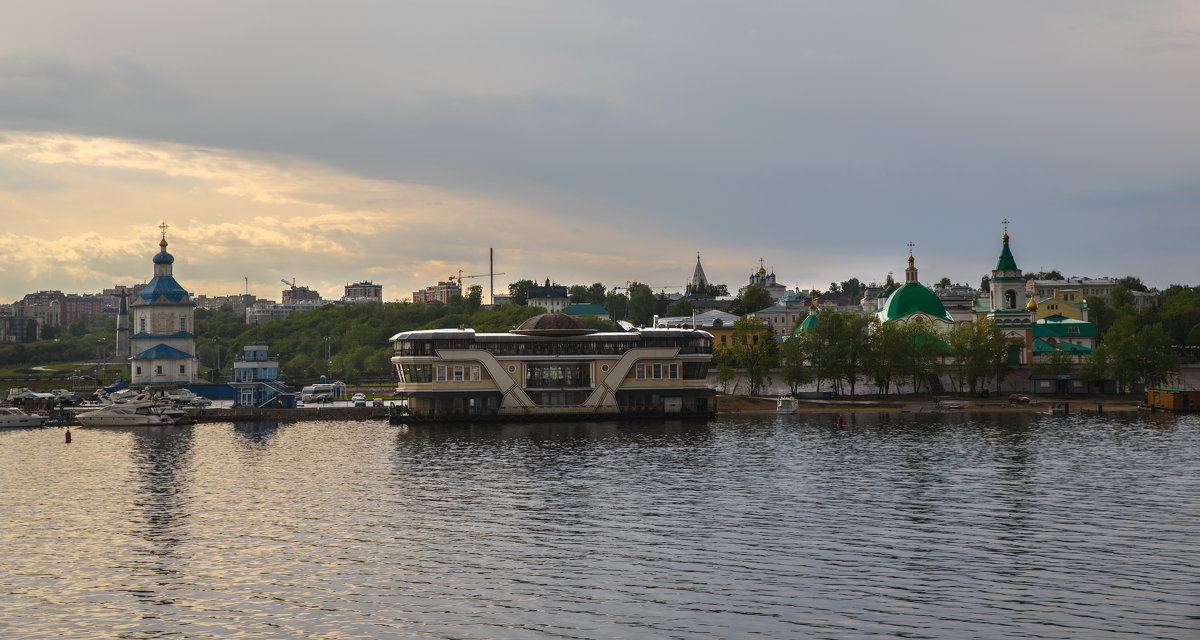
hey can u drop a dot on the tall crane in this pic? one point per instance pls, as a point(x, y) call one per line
point(291, 284)
point(460, 277)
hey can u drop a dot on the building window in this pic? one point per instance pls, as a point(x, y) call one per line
point(441, 373)
point(673, 371)
point(1073, 330)
point(183, 323)
point(142, 324)
point(657, 371)
point(475, 373)
point(139, 370)
point(723, 341)
point(458, 373)
point(641, 371)
point(182, 369)
point(158, 370)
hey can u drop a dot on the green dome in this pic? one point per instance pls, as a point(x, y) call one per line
point(912, 298)
point(808, 325)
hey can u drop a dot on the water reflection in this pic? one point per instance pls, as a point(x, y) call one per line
point(949, 526)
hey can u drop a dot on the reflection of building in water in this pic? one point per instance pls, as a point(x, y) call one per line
point(160, 458)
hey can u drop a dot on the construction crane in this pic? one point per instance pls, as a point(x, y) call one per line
point(460, 277)
point(291, 284)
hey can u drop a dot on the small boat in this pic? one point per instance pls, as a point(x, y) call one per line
point(786, 405)
point(13, 417)
point(134, 414)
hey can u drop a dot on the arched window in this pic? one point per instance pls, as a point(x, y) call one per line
point(1010, 299)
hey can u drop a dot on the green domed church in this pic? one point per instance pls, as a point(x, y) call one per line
point(914, 302)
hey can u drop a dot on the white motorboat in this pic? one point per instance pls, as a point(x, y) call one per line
point(134, 414)
point(13, 417)
point(786, 405)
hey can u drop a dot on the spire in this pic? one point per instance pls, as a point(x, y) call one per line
point(910, 274)
point(699, 280)
point(1006, 262)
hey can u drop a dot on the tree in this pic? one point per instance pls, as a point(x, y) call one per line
point(755, 299)
point(577, 293)
point(793, 356)
point(853, 290)
point(980, 353)
point(716, 290)
point(754, 349)
point(596, 293)
point(617, 305)
point(944, 282)
point(519, 291)
point(1133, 284)
point(1137, 354)
point(474, 298)
point(681, 307)
point(888, 355)
point(641, 304)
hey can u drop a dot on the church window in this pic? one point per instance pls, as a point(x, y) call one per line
point(158, 369)
point(139, 370)
point(182, 368)
point(1010, 299)
point(142, 324)
point(183, 323)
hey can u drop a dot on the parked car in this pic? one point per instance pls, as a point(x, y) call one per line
point(359, 399)
point(377, 402)
point(1018, 398)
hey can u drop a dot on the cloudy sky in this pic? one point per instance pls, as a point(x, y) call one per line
point(396, 141)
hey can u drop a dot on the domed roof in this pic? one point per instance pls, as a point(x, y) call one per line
point(162, 257)
point(912, 298)
point(554, 324)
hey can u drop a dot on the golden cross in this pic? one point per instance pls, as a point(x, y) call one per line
point(163, 227)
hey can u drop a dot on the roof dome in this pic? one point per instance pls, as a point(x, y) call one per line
point(554, 324)
point(912, 298)
point(162, 257)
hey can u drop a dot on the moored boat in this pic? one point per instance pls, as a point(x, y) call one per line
point(785, 405)
point(13, 417)
point(134, 414)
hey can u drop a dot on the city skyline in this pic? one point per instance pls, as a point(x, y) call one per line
point(397, 142)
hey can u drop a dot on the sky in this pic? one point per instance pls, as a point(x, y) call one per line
point(397, 141)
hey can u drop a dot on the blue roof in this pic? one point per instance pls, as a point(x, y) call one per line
point(177, 334)
point(161, 351)
point(162, 290)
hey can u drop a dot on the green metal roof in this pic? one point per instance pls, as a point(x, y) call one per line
point(585, 309)
point(1006, 262)
point(1059, 326)
point(913, 298)
point(808, 325)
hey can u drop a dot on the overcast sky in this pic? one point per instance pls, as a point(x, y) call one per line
point(396, 141)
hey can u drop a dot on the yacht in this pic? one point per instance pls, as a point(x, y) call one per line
point(134, 414)
point(13, 417)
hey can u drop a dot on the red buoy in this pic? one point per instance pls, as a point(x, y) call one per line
point(68, 438)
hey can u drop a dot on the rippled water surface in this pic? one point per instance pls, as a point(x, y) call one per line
point(1012, 526)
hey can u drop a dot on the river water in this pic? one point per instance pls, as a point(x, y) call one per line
point(963, 526)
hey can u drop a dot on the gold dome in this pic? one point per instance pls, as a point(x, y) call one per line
point(1032, 306)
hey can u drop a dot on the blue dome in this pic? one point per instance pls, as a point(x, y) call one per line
point(162, 257)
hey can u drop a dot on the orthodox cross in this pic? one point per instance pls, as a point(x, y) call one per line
point(1005, 221)
point(163, 228)
point(910, 246)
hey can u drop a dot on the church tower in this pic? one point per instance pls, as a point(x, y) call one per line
point(699, 281)
point(161, 316)
point(1010, 312)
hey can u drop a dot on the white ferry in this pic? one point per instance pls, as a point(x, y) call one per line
point(552, 367)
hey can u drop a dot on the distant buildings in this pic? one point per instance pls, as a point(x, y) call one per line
point(551, 297)
point(441, 292)
point(764, 280)
point(360, 292)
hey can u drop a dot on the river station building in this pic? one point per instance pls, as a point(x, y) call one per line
point(553, 366)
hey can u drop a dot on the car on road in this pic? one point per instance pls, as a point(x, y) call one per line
point(359, 399)
point(1018, 398)
point(377, 402)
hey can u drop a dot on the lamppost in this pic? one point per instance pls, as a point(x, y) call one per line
point(217, 348)
point(328, 362)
